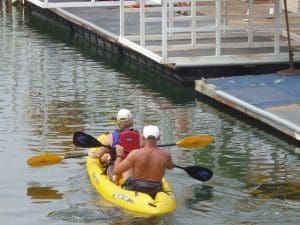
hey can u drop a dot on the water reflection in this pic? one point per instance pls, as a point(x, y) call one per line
point(43, 193)
point(79, 215)
point(125, 219)
point(201, 199)
point(138, 75)
point(107, 215)
point(288, 190)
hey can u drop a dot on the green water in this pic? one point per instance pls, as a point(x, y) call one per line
point(54, 83)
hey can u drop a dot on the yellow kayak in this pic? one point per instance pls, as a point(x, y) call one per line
point(138, 202)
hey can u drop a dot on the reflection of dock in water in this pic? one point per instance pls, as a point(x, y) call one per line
point(43, 193)
point(290, 191)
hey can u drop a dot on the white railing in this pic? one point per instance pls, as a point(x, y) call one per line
point(232, 35)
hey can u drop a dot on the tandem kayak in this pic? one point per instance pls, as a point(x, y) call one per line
point(133, 201)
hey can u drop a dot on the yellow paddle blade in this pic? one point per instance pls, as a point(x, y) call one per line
point(44, 160)
point(195, 141)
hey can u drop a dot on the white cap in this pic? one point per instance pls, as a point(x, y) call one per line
point(124, 114)
point(151, 132)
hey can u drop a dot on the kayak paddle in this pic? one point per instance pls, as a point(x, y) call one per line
point(81, 139)
point(192, 141)
point(197, 172)
point(84, 140)
point(49, 159)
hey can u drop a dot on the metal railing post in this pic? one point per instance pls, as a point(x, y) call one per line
point(277, 32)
point(193, 15)
point(142, 23)
point(171, 15)
point(122, 20)
point(218, 27)
point(250, 22)
point(164, 29)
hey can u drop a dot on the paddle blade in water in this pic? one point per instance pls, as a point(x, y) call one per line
point(195, 141)
point(84, 140)
point(44, 160)
point(199, 173)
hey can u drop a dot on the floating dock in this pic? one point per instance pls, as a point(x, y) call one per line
point(270, 98)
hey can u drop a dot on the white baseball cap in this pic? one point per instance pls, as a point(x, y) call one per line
point(151, 132)
point(124, 114)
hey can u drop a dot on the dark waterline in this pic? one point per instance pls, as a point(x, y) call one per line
point(54, 83)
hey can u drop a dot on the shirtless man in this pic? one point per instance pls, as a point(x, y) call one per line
point(148, 164)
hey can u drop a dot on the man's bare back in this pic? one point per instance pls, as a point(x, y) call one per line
point(150, 163)
point(147, 165)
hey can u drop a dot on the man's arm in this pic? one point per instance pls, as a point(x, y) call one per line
point(170, 164)
point(97, 154)
point(121, 165)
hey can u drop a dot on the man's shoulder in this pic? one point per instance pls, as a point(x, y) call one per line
point(164, 152)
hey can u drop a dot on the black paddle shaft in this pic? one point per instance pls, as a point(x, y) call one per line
point(76, 155)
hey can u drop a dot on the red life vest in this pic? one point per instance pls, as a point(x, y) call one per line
point(129, 139)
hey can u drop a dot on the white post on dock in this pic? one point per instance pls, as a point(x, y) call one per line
point(218, 27)
point(122, 21)
point(194, 25)
point(277, 33)
point(164, 29)
point(45, 4)
point(171, 15)
point(250, 22)
point(142, 23)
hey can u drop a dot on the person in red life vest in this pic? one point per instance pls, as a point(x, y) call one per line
point(147, 164)
point(125, 136)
